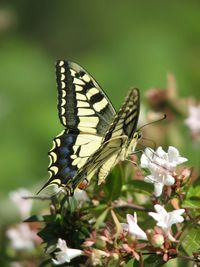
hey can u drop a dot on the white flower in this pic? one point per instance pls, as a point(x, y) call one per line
point(24, 205)
point(22, 237)
point(80, 195)
point(166, 219)
point(193, 121)
point(133, 228)
point(162, 166)
point(65, 254)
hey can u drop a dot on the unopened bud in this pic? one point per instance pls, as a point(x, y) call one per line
point(131, 238)
point(157, 240)
point(100, 244)
point(115, 257)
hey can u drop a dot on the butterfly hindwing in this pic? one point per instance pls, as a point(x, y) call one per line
point(69, 153)
point(82, 104)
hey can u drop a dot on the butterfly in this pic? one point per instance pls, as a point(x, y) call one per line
point(96, 137)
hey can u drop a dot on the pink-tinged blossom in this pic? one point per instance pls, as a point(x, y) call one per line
point(132, 227)
point(65, 254)
point(193, 120)
point(162, 166)
point(166, 219)
point(24, 205)
point(22, 237)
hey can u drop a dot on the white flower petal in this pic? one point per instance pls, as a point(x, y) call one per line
point(80, 195)
point(149, 152)
point(169, 180)
point(159, 209)
point(168, 233)
point(181, 160)
point(178, 212)
point(138, 232)
point(175, 217)
point(173, 153)
point(158, 187)
point(73, 253)
point(133, 228)
point(61, 244)
point(125, 226)
point(156, 216)
point(149, 179)
point(130, 219)
point(160, 152)
point(61, 257)
point(174, 156)
point(144, 161)
point(65, 254)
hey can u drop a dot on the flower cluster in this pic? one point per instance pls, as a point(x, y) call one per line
point(111, 247)
point(193, 121)
point(23, 236)
point(100, 229)
point(131, 219)
point(162, 167)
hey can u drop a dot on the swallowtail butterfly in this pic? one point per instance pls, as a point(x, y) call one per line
point(95, 137)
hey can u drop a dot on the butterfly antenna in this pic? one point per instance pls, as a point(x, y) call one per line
point(151, 122)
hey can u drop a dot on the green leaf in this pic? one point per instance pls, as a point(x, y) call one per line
point(153, 261)
point(134, 263)
point(191, 203)
point(140, 186)
point(131, 263)
point(192, 198)
point(190, 240)
point(101, 218)
point(114, 184)
point(100, 208)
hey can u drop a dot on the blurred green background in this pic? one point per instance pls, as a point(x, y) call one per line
point(121, 43)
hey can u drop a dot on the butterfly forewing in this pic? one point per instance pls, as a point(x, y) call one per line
point(86, 113)
point(82, 104)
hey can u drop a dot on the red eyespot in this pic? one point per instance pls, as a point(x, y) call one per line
point(83, 185)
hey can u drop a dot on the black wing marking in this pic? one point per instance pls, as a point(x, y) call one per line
point(82, 104)
point(125, 121)
point(69, 153)
point(115, 143)
point(86, 112)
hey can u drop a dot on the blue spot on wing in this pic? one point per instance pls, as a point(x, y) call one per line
point(66, 171)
